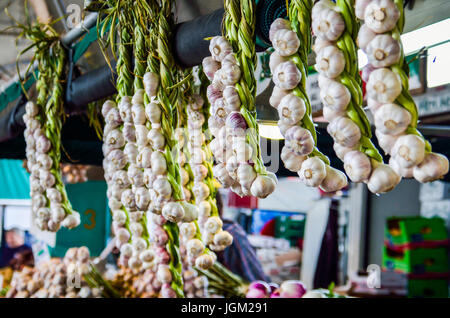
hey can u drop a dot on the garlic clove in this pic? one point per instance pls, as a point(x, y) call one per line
point(357, 166)
point(312, 172)
point(408, 151)
point(383, 179)
point(433, 167)
point(335, 180)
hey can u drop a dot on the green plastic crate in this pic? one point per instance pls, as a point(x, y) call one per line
point(414, 230)
point(291, 228)
point(416, 261)
point(427, 288)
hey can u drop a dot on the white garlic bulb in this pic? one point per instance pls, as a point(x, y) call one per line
point(320, 43)
point(188, 230)
point(344, 131)
point(277, 96)
point(223, 238)
point(230, 72)
point(373, 105)
point(138, 114)
point(221, 174)
point(246, 175)
point(162, 187)
point(391, 119)
point(219, 48)
point(383, 179)
point(153, 113)
point(385, 141)
point(312, 172)
point(194, 247)
point(286, 75)
point(403, 172)
point(201, 191)
point(365, 36)
point(231, 99)
point(433, 167)
point(384, 85)
point(381, 15)
point(335, 180)
point(156, 139)
point(213, 225)
point(383, 51)
point(278, 24)
point(360, 8)
point(143, 159)
point(275, 60)
point(158, 163)
point(173, 212)
point(204, 261)
point(261, 187)
point(299, 140)
point(151, 82)
point(291, 160)
point(357, 166)
point(408, 151)
point(71, 221)
point(141, 135)
point(330, 61)
point(328, 24)
point(210, 66)
point(291, 109)
point(285, 42)
point(330, 114)
point(335, 95)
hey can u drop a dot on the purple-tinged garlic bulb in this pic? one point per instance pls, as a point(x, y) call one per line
point(278, 24)
point(231, 99)
point(328, 24)
point(299, 140)
point(391, 119)
point(219, 48)
point(335, 95)
point(277, 96)
point(210, 66)
point(291, 160)
point(381, 15)
point(357, 166)
point(344, 131)
point(383, 51)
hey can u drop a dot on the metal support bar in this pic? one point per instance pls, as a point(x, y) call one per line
point(73, 35)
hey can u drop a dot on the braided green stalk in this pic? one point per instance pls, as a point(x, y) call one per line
point(54, 110)
point(240, 23)
point(350, 78)
point(401, 68)
point(300, 18)
point(169, 97)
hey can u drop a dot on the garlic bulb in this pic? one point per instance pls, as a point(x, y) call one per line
point(129, 133)
point(188, 230)
point(213, 94)
point(381, 15)
point(231, 99)
point(219, 48)
point(285, 42)
point(115, 139)
point(275, 60)
point(357, 166)
point(246, 175)
point(287, 75)
point(151, 82)
point(201, 191)
point(344, 131)
point(383, 51)
point(204, 261)
point(335, 96)
point(383, 179)
point(204, 208)
point(335, 180)
point(223, 238)
point(386, 142)
point(213, 225)
point(391, 119)
point(141, 135)
point(230, 71)
point(162, 187)
point(221, 174)
point(173, 212)
point(158, 163)
point(291, 160)
point(330, 114)
point(71, 221)
point(156, 139)
point(299, 140)
point(320, 43)
point(330, 61)
point(242, 150)
point(433, 167)
point(143, 159)
point(194, 247)
point(291, 109)
point(210, 66)
point(312, 172)
point(138, 114)
point(261, 187)
point(200, 172)
point(403, 172)
point(277, 96)
point(142, 198)
point(153, 113)
point(278, 24)
point(408, 151)
point(328, 24)
point(373, 105)
point(360, 8)
point(384, 85)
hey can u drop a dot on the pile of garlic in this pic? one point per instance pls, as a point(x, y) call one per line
point(56, 278)
point(293, 107)
point(49, 202)
point(334, 77)
point(233, 151)
point(388, 98)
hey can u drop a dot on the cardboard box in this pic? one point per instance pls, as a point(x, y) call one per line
point(434, 191)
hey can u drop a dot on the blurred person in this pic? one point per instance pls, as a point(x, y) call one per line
point(240, 257)
point(15, 252)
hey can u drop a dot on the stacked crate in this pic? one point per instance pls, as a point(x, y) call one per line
point(417, 247)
